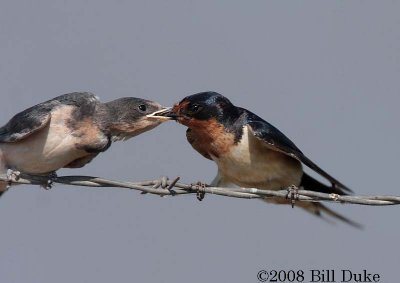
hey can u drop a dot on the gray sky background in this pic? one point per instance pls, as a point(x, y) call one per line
point(325, 73)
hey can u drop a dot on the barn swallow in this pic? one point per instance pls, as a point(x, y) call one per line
point(249, 151)
point(69, 131)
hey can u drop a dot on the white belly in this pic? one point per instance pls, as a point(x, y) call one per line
point(47, 150)
point(251, 164)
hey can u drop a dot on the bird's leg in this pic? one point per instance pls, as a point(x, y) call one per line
point(293, 194)
point(47, 185)
point(199, 187)
point(12, 176)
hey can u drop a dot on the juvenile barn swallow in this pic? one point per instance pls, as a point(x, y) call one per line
point(69, 131)
point(249, 151)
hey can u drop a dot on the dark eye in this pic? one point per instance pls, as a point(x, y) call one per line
point(142, 107)
point(194, 108)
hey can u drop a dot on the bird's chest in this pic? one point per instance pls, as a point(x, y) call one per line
point(249, 163)
point(211, 139)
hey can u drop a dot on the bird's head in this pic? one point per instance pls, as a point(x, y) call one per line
point(199, 109)
point(131, 116)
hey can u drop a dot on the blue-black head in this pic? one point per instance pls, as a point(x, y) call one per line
point(203, 106)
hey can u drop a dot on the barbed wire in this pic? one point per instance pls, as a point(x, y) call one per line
point(166, 187)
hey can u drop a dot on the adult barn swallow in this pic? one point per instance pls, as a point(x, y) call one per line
point(69, 131)
point(249, 151)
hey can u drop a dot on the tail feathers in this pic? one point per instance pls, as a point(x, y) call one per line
point(318, 209)
point(309, 183)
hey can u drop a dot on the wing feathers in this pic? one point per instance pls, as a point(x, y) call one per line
point(276, 140)
point(24, 124)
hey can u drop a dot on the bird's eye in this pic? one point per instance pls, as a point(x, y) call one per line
point(142, 107)
point(194, 108)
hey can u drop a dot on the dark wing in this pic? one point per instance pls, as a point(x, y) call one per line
point(276, 140)
point(37, 117)
point(26, 123)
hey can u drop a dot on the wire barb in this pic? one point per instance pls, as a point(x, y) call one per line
point(172, 184)
point(199, 189)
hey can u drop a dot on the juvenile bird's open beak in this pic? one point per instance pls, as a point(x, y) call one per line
point(163, 114)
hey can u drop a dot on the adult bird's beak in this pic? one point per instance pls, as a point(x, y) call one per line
point(163, 114)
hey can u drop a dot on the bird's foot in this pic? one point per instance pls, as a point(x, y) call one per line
point(47, 185)
point(12, 176)
point(200, 192)
point(293, 194)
